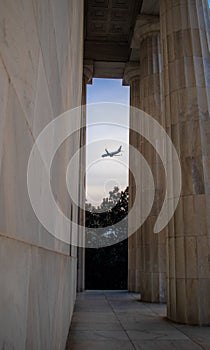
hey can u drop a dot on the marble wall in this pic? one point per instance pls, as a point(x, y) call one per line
point(41, 60)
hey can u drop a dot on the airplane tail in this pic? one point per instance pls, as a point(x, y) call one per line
point(120, 149)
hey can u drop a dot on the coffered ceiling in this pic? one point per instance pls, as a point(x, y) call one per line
point(109, 26)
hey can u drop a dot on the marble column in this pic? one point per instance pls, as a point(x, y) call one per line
point(186, 83)
point(152, 268)
point(131, 77)
point(87, 79)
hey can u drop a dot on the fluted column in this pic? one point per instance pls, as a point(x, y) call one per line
point(152, 268)
point(87, 79)
point(131, 77)
point(186, 62)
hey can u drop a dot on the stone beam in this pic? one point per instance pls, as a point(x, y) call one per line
point(111, 70)
point(88, 70)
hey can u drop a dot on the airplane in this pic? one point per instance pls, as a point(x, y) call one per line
point(112, 154)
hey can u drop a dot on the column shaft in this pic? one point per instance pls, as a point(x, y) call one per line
point(131, 77)
point(133, 256)
point(152, 246)
point(186, 84)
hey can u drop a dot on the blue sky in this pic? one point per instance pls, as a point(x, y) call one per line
point(104, 174)
point(108, 90)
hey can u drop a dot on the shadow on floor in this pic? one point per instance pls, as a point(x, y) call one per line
point(104, 320)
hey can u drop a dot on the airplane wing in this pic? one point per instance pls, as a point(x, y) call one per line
point(107, 152)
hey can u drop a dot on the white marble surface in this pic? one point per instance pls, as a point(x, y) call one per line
point(185, 60)
point(14, 282)
point(60, 11)
point(37, 297)
point(41, 46)
point(43, 112)
point(4, 88)
point(14, 200)
point(19, 48)
point(38, 82)
point(75, 89)
point(46, 33)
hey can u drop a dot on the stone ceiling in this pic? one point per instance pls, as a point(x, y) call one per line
point(109, 27)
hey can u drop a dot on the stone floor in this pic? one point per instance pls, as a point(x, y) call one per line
point(117, 320)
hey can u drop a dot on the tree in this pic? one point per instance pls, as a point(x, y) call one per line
point(100, 229)
point(106, 267)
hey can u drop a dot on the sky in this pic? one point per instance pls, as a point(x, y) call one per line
point(108, 110)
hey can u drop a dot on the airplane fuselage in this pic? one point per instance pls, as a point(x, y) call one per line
point(111, 154)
